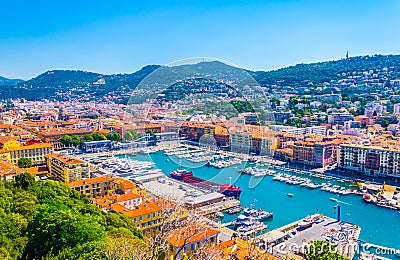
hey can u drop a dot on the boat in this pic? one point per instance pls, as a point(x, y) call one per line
point(218, 214)
point(289, 194)
point(234, 210)
point(241, 220)
point(186, 176)
point(258, 214)
point(368, 198)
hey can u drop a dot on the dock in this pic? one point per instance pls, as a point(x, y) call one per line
point(322, 228)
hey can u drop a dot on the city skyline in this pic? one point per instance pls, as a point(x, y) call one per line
point(99, 37)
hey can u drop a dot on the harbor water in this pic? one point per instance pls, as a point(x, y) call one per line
point(378, 225)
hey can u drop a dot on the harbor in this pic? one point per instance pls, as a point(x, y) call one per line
point(290, 198)
point(293, 238)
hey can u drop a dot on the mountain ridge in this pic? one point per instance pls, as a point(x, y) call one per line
point(51, 82)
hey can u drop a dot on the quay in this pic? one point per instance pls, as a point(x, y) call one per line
point(293, 238)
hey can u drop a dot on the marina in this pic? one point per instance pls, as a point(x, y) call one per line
point(272, 195)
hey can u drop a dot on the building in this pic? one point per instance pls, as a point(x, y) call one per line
point(280, 117)
point(370, 160)
point(240, 141)
point(97, 146)
point(36, 152)
point(352, 124)
point(93, 188)
point(316, 154)
point(288, 129)
point(339, 118)
point(66, 168)
point(318, 130)
point(374, 109)
point(53, 135)
point(396, 108)
point(186, 240)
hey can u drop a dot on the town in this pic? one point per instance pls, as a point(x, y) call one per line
point(340, 136)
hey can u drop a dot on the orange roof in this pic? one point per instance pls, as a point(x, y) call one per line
point(143, 209)
point(189, 234)
point(118, 208)
point(128, 196)
point(67, 159)
point(29, 147)
point(88, 181)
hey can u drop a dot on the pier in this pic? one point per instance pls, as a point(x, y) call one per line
point(315, 227)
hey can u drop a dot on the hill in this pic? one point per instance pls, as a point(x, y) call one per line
point(66, 84)
point(302, 74)
point(61, 84)
point(9, 82)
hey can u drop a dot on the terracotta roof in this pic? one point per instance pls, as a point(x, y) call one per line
point(128, 196)
point(143, 209)
point(89, 181)
point(118, 208)
point(67, 159)
point(189, 234)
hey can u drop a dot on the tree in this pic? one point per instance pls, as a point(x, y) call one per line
point(98, 137)
point(66, 140)
point(75, 140)
point(131, 135)
point(89, 138)
point(24, 162)
point(114, 137)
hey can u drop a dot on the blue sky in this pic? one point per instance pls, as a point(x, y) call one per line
point(122, 36)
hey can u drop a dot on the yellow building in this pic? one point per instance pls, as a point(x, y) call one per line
point(9, 143)
point(93, 188)
point(36, 152)
point(66, 168)
point(184, 241)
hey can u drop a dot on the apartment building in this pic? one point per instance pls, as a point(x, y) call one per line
point(317, 154)
point(66, 168)
point(93, 188)
point(36, 152)
point(339, 118)
point(370, 160)
point(186, 240)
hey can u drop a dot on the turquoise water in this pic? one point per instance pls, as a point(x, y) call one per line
point(378, 225)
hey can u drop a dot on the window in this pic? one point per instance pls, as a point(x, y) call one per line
point(192, 247)
point(134, 219)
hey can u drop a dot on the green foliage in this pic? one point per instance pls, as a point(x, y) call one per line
point(70, 140)
point(95, 137)
point(24, 162)
point(322, 250)
point(303, 74)
point(47, 85)
point(131, 135)
point(242, 106)
point(114, 137)
point(24, 180)
point(48, 220)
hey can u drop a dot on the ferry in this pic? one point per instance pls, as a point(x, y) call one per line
point(188, 177)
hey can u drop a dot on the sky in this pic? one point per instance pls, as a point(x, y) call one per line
point(121, 36)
